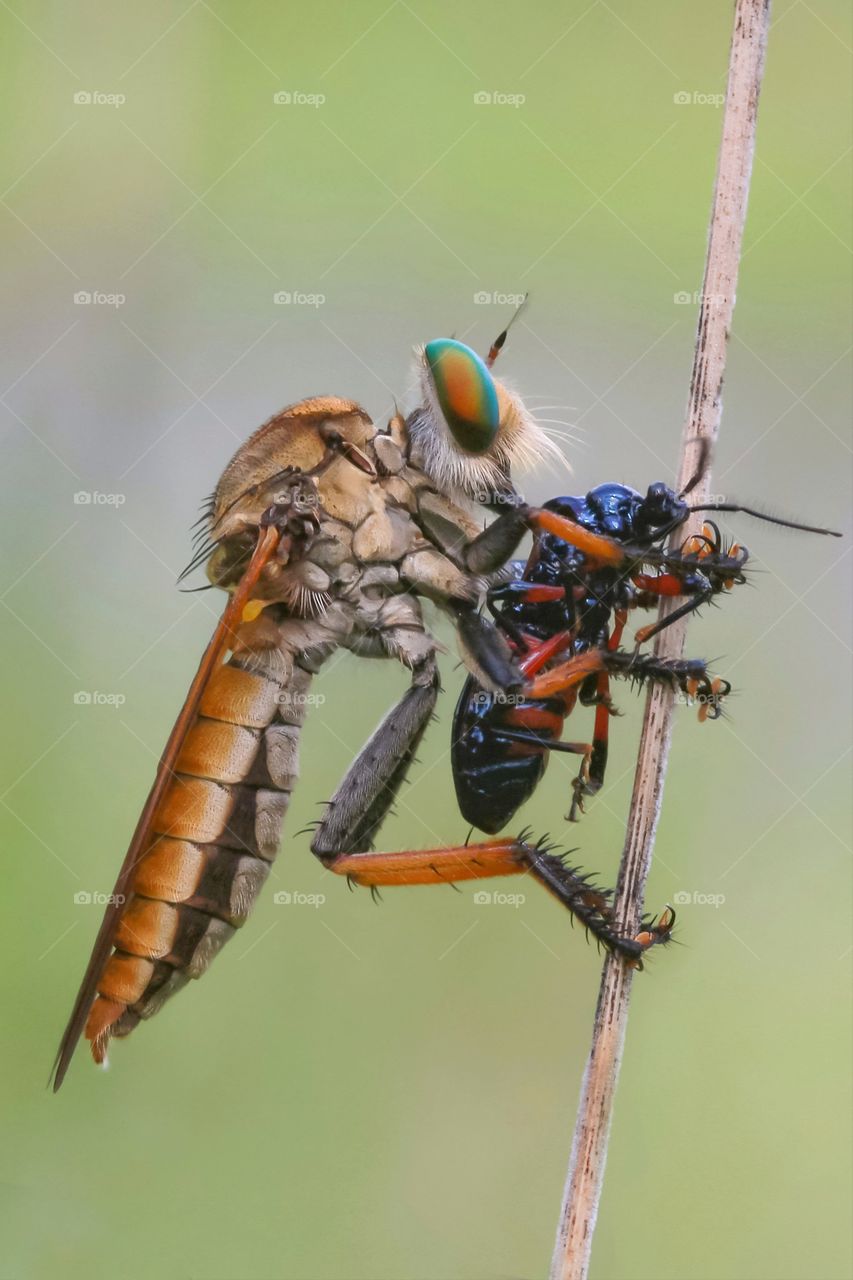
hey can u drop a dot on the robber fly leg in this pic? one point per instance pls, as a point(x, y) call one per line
point(592, 906)
point(491, 549)
point(343, 838)
point(504, 856)
point(362, 801)
point(484, 649)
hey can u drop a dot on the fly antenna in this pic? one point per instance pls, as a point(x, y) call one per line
point(497, 346)
point(762, 515)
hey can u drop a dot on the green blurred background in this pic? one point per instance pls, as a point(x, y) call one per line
point(388, 1092)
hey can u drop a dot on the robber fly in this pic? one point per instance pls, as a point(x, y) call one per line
point(326, 532)
point(570, 600)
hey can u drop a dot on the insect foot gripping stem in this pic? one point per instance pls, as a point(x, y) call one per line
point(655, 932)
point(591, 905)
point(687, 676)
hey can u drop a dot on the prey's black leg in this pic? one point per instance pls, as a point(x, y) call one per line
point(590, 777)
point(689, 606)
point(534, 740)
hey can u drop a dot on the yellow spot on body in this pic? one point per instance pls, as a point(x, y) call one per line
point(253, 609)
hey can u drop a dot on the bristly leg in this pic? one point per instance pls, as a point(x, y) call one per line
point(686, 675)
point(591, 905)
point(505, 856)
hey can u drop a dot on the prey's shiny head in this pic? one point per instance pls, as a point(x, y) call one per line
point(470, 430)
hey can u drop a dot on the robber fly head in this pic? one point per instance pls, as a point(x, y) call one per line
point(470, 429)
point(311, 452)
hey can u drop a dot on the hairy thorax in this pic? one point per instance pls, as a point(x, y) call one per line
point(377, 542)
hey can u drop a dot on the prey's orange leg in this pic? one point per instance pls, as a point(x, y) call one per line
point(597, 547)
point(567, 675)
point(590, 777)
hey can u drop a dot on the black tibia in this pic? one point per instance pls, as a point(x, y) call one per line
point(597, 766)
point(589, 694)
point(590, 778)
point(491, 549)
point(534, 740)
point(486, 650)
point(362, 801)
point(687, 675)
point(591, 905)
point(689, 606)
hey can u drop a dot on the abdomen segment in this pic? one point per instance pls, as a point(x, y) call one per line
point(215, 833)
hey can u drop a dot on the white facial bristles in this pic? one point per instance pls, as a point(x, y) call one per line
point(520, 443)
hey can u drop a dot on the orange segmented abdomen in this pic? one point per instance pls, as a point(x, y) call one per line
point(215, 833)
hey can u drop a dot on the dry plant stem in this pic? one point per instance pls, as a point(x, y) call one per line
point(592, 1129)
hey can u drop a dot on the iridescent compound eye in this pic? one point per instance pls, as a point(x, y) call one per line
point(466, 393)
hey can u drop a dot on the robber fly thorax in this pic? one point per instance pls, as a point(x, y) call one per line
point(395, 507)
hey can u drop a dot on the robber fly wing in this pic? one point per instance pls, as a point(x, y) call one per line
point(219, 643)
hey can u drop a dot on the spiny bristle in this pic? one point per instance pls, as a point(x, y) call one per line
point(199, 556)
point(206, 509)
